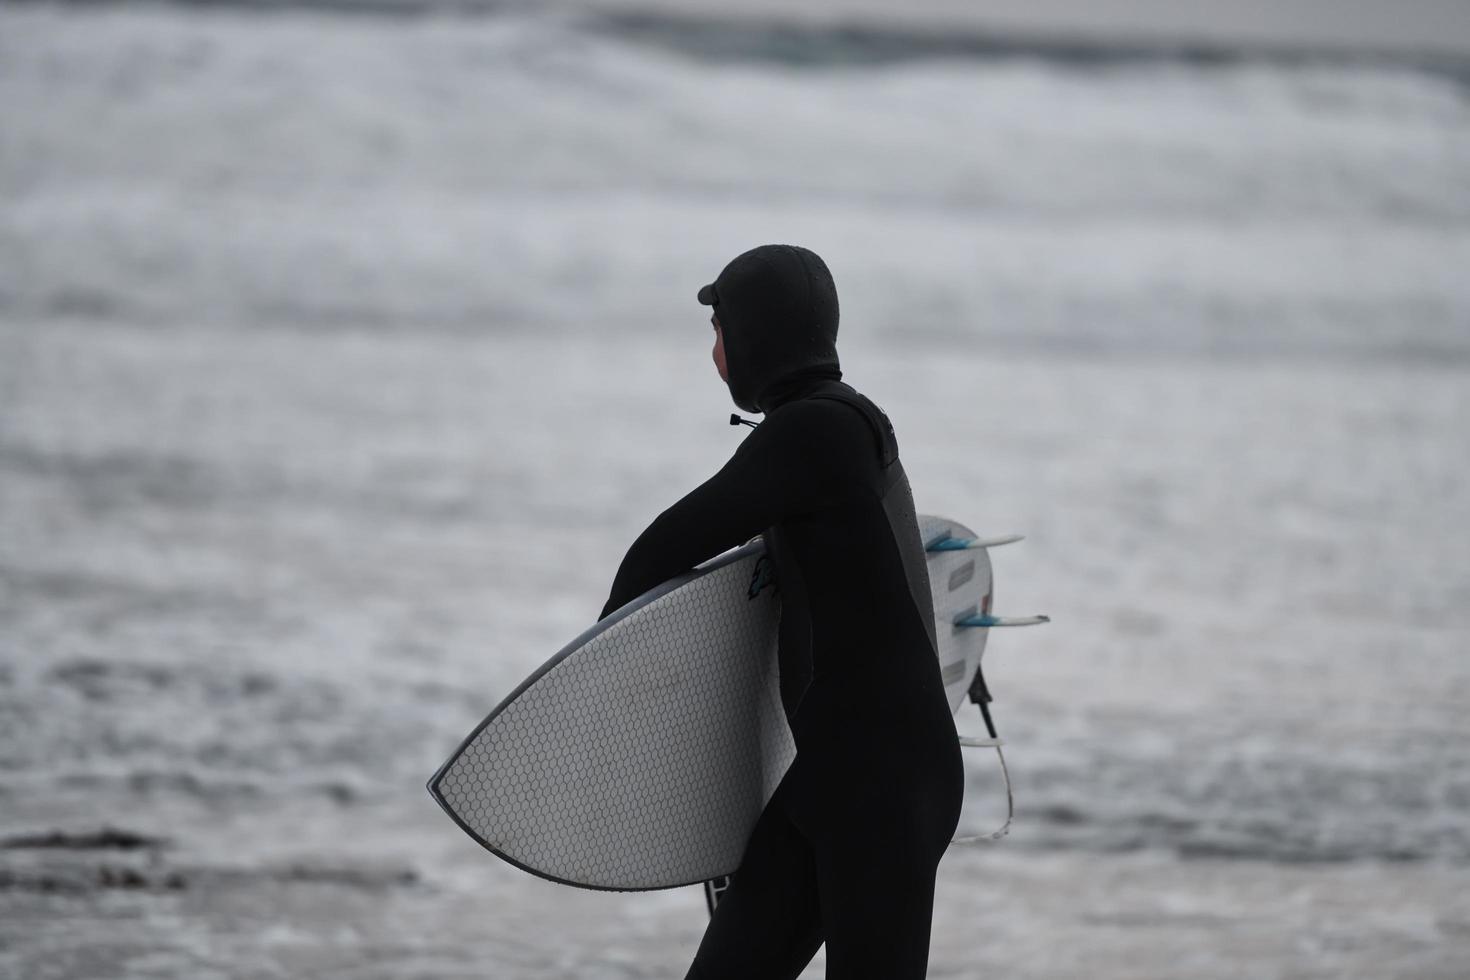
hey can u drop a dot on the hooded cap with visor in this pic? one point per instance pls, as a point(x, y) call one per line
point(777, 307)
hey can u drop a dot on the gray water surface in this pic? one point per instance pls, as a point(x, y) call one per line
point(342, 357)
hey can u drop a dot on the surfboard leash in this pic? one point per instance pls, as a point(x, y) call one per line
point(980, 694)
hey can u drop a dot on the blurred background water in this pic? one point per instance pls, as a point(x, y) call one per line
point(344, 349)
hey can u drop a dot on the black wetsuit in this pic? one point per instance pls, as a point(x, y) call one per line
point(847, 848)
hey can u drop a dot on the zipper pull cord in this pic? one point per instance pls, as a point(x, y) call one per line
point(737, 420)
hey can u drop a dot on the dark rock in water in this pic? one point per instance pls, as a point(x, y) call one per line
point(371, 877)
point(71, 876)
point(107, 838)
point(340, 793)
point(120, 876)
point(111, 877)
point(46, 882)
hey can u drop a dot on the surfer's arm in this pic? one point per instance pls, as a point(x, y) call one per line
point(791, 465)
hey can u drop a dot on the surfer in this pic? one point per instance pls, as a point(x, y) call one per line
point(846, 850)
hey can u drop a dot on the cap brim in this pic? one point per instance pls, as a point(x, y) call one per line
point(708, 296)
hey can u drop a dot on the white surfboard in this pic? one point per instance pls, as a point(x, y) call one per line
point(640, 755)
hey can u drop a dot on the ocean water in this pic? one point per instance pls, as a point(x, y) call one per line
point(343, 354)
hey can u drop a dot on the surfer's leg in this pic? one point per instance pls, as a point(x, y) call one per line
point(767, 926)
point(876, 914)
point(876, 864)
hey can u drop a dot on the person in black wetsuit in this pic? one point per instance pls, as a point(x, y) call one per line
point(847, 848)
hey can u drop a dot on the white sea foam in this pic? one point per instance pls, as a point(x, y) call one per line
point(501, 171)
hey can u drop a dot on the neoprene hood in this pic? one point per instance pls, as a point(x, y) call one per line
point(777, 307)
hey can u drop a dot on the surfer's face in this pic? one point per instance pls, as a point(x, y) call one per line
point(719, 352)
